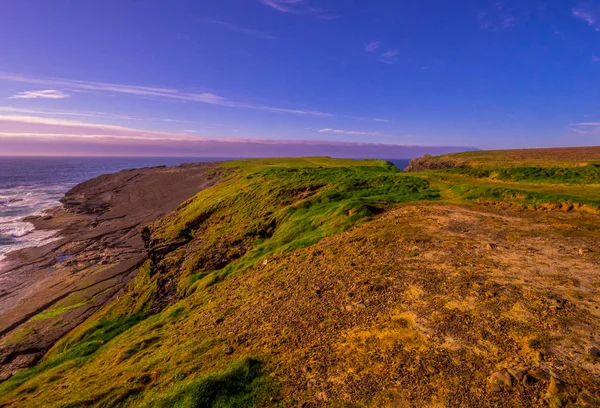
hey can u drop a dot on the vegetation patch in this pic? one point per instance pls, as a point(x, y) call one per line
point(79, 348)
point(589, 174)
point(242, 384)
point(264, 210)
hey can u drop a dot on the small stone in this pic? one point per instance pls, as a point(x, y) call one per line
point(594, 351)
point(491, 247)
point(265, 262)
point(495, 388)
point(517, 373)
point(584, 251)
point(312, 383)
point(228, 350)
point(587, 400)
point(555, 387)
point(539, 356)
point(306, 369)
point(500, 380)
point(540, 374)
point(219, 320)
point(348, 308)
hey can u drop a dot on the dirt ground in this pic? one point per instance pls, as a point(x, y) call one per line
point(428, 306)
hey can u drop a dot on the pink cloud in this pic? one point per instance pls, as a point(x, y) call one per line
point(30, 135)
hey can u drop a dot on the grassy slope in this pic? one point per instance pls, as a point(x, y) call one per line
point(133, 353)
point(552, 157)
point(562, 178)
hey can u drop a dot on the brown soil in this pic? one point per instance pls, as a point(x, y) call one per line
point(426, 306)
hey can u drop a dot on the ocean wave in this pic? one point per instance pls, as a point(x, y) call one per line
point(21, 201)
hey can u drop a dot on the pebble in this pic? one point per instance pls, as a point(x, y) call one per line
point(555, 387)
point(588, 400)
point(594, 351)
point(517, 373)
point(228, 350)
point(500, 380)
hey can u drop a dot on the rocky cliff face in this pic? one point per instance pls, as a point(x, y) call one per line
point(50, 290)
point(429, 162)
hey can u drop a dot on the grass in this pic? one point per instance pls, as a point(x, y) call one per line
point(261, 211)
point(78, 349)
point(552, 157)
point(242, 384)
point(589, 174)
point(532, 199)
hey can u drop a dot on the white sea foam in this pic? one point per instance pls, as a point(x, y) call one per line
point(18, 202)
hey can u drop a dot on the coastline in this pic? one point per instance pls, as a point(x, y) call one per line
point(96, 249)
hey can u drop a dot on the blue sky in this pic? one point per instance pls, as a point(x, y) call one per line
point(479, 73)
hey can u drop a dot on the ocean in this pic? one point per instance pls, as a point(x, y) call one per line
point(31, 185)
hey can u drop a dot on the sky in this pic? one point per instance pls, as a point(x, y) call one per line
point(285, 77)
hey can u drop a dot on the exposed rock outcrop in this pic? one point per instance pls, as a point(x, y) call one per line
point(428, 162)
point(48, 291)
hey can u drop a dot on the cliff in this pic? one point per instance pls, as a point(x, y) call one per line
point(98, 251)
point(321, 282)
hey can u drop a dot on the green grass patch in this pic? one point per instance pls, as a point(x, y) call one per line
point(79, 348)
point(524, 197)
point(263, 210)
point(242, 384)
point(589, 174)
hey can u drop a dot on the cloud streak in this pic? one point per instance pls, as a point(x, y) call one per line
point(28, 135)
point(299, 7)
point(389, 57)
point(242, 30)
point(586, 128)
point(84, 114)
point(372, 46)
point(350, 132)
point(46, 94)
point(589, 14)
point(496, 18)
point(161, 93)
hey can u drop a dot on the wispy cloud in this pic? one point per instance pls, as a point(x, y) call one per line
point(595, 59)
point(242, 30)
point(300, 7)
point(372, 46)
point(497, 18)
point(85, 114)
point(588, 13)
point(46, 94)
point(389, 57)
point(350, 132)
point(47, 136)
point(586, 128)
point(161, 93)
